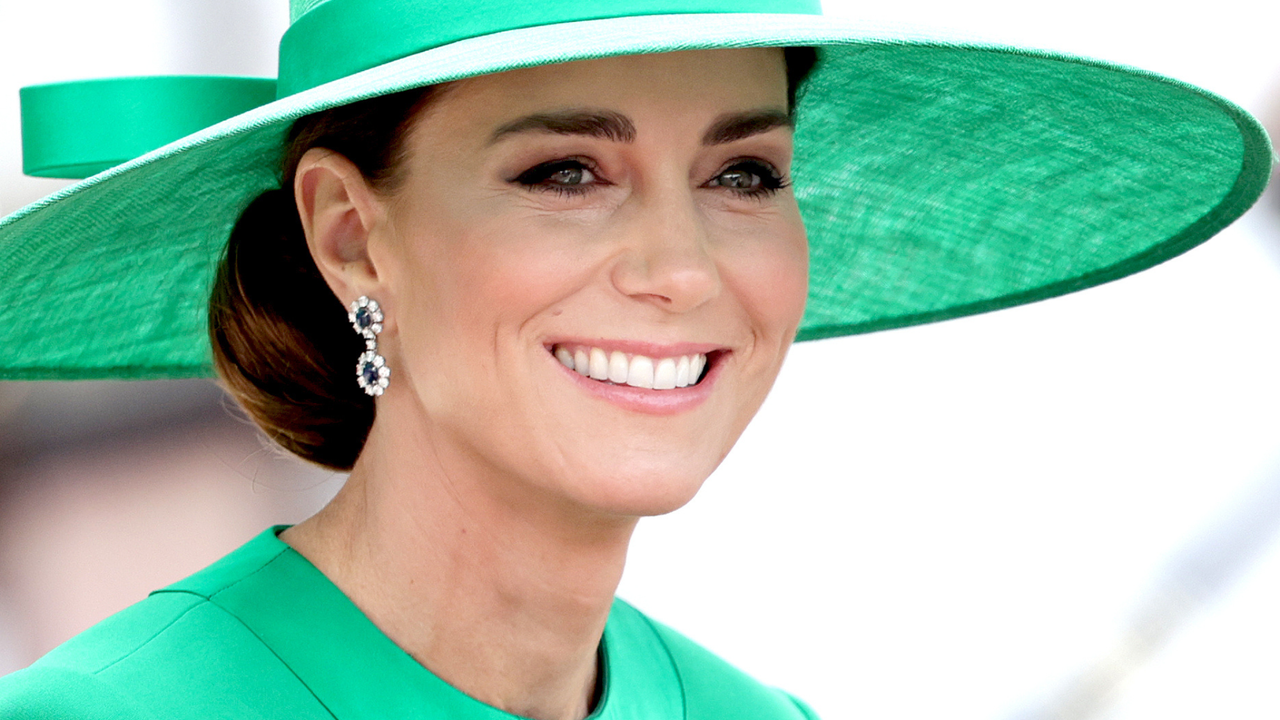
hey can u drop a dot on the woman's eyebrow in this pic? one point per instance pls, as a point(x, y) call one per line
point(728, 128)
point(598, 124)
point(619, 128)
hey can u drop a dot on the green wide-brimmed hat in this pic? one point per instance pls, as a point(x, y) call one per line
point(937, 178)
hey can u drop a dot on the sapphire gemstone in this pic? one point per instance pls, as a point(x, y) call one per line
point(369, 372)
point(364, 318)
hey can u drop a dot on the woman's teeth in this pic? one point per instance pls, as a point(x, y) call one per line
point(635, 370)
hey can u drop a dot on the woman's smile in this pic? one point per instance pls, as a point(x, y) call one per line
point(665, 369)
point(642, 377)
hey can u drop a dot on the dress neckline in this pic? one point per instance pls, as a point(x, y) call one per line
point(349, 664)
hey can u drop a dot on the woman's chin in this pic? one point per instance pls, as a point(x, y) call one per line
point(643, 493)
point(655, 504)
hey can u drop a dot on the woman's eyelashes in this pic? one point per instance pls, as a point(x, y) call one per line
point(567, 176)
point(749, 177)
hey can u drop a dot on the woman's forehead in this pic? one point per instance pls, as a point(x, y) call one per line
point(717, 81)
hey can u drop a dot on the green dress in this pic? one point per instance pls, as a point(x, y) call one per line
point(263, 634)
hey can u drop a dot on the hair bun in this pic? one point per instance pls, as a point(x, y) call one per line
point(281, 341)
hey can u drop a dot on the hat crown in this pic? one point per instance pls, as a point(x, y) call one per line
point(332, 39)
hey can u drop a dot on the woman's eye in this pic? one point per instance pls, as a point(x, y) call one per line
point(739, 180)
point(752, 178)
point(565, 176)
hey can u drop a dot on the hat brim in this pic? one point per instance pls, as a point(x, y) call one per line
point(937, 178)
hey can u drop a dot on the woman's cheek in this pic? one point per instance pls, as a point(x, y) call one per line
point(522, 265)
point(772, 280)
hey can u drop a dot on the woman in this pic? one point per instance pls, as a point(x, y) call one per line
point(537, 233)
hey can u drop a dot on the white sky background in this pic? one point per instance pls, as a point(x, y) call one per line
point(953, 520)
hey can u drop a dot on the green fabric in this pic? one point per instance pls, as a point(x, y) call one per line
point(78, 129)
point(263, 634)
point(1026, 193)
point(310, 57)
point(936, 179)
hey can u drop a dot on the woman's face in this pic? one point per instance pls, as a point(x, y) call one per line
point(631, 217)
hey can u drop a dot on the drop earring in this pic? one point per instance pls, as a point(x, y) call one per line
point(372, 372)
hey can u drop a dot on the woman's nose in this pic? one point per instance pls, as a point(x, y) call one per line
point(667, 259)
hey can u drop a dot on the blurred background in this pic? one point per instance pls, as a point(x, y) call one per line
point(1065, 510)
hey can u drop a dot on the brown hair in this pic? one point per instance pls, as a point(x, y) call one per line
point(281, 341)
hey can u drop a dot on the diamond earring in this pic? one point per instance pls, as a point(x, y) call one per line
point(372, 372)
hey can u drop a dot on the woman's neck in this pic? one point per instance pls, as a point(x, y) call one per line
point(505, 598)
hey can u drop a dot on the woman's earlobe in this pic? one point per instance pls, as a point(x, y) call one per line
point(338, 210)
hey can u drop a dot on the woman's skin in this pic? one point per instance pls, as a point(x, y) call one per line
point(638, 205)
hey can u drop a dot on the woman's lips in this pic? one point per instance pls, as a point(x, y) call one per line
point(651, 383)
point(634, 369)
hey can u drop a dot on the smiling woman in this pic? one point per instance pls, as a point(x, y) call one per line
point(633, 210)
point(563, 251)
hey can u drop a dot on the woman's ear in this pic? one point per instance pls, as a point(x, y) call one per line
point(339, 210)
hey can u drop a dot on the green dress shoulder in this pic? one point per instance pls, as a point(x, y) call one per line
point(262, 634)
